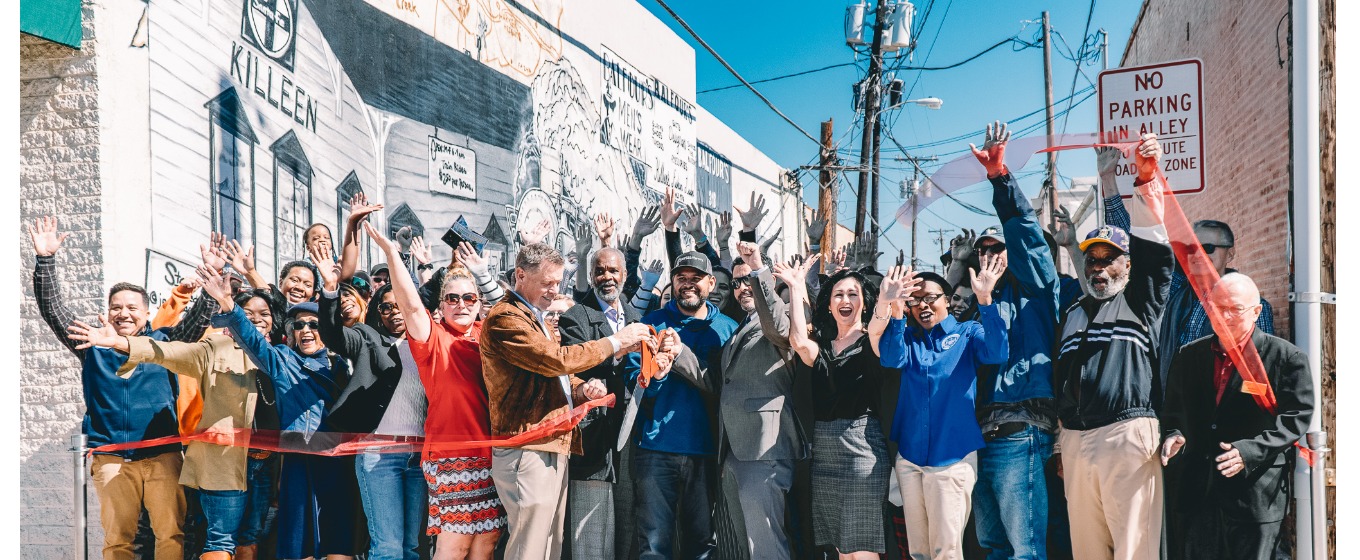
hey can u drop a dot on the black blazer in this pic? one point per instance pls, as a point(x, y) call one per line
point(1264, 440)
point(585, 322)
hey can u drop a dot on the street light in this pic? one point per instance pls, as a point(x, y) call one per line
point(927, 102)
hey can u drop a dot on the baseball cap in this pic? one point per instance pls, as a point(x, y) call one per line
point(377, 268)
point(1114, 235)
point(306, 306)
point(993, 232)
point(695, 260)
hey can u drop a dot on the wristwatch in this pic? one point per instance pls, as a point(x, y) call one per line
point(425, 266)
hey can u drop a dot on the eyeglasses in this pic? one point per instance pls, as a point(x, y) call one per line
point(1209, 248)
point(387, 307)
point(1233, 312)
point(929, 299)
point(467, 299)
point(995, 248)
point(552, 315)
point(299, 325)
point(1101, 263)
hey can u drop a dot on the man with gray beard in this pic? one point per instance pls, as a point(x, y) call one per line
point(592, 504)
point(1108, 390)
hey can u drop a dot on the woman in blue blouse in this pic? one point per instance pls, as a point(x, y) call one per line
point(935, 426)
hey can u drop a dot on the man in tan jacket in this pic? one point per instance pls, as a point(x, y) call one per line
point(529, 380)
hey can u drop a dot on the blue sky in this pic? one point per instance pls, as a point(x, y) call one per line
point(763, 40)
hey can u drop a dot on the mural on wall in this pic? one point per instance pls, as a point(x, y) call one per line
point(270, 116)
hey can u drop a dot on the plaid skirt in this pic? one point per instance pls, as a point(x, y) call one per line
point(850, 470)
point(462, 496)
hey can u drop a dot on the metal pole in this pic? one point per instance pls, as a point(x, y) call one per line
point(1049, 179)
point(871, 91)
point(1105, 48)
point(873, 218)
point(1306, 165)
point(78, 443)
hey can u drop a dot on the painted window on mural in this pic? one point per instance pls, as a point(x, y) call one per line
point(232, 168)
point(343, 193)
point(292, 198)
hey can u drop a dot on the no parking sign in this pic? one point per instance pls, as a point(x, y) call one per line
point(1165, 99)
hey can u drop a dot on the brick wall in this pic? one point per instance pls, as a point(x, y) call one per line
point(59, 175)
point(1246, 113)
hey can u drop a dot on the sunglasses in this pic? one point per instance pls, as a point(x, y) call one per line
point(995, 248)
point(453, 299)
point(743, 281)
point(1209, 248)
point(930, 299)
point(359, 283)
point(387, 307)
point(299, 325)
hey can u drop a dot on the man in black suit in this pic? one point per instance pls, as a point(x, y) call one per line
point(1233, 470)
point(592, 503)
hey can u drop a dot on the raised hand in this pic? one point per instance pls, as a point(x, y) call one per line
point(404, 238)
point(992, 156)
point(1064, 233)
point(1146, 156)
point(378, 238)
point(420, 251)
point(985, 279)
point(360, 208)
point(467, 254)
point(835, 262)
point(865, 251)
point(897, 285)
point(604, 228)
point(584, 239)
point(694, 223)
point(901, 257)
point(242, 259)
point(647, 223)
point(1107, 160)
point(216, 286)
point(327, 268)
point(769, 241)
point(753, 214)
point(46, 239)
point(214, 253)
point(652, 274)
point(670, 213)
point(90, 336)
point(190, 284)
point(961, 247)
point(795, 273)
point(815, 229)
point(750, 253)
point(724, 228)
point(536, 234)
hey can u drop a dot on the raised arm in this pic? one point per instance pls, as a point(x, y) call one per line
point(887, 326)
point(1107, 161)
point(359, 209)
point(467, 255)
point(190, 359)
point(800, 338)
point(418, 323)
point(670, 216)
point(242, 259)
point(770, 309)
point(334, 334)
point(1151, 259)
point(584, 241)
point(643, 299)
point(46, 287)
point(254, 344)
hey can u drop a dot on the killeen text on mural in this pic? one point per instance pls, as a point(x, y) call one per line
point(274, 85)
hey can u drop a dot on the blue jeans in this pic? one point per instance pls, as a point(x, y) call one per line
point(259, 494)
point(396, 502)
point(222, 510)
point(1010, 500)
point(669, 484)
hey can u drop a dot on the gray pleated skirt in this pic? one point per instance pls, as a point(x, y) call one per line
point(850, 470)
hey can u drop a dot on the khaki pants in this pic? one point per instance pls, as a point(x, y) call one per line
point(532, 486)
point(1113, 479)
point(936, 501)
point(124, 487)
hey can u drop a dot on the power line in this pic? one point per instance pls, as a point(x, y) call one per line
point(733, 71)
point(783, 77)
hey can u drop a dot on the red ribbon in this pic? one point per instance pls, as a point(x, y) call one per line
point(343, 443)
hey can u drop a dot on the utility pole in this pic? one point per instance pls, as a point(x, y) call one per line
point(826, 195)
point(939, 237)
point(872, 87)
point(1050, 184)
point(873, 180)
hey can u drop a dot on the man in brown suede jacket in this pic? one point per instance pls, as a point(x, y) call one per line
point(528, 381)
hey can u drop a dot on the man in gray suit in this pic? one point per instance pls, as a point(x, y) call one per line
point(758, 431)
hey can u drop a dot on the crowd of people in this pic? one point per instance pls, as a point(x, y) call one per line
point(944, 395)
